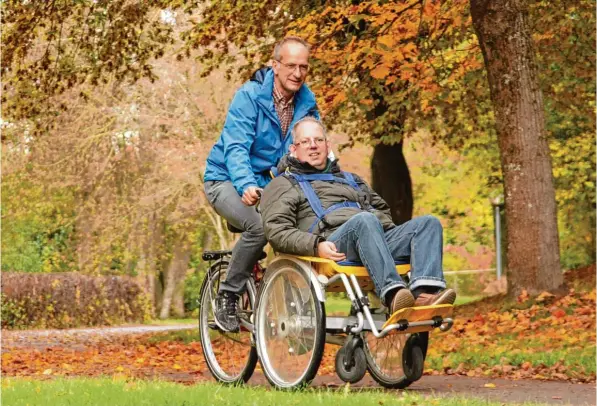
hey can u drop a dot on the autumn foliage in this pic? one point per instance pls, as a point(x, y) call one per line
point(42, 300)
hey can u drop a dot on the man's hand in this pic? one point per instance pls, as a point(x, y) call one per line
point(251, 195)
point(328, 250)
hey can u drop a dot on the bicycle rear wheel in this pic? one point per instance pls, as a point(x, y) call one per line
point(231, 357)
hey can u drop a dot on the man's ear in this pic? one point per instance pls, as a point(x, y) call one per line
point(292, 150)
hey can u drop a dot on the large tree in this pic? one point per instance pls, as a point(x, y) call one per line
point(507, 46)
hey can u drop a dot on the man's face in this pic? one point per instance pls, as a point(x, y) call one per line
point(310, 145)
point(291, 70)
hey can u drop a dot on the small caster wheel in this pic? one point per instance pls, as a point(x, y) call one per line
point(413, 359)
point(356, 368)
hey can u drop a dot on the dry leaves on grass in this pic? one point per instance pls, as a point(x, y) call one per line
point(544, 325)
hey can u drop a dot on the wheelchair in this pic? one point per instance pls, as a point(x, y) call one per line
point(284, 325)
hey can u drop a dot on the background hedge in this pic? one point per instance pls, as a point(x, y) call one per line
point(69, 299)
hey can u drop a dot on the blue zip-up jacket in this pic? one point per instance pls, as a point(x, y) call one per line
point(251, 141)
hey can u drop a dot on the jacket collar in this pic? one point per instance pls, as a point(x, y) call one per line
point(303, 168)
point(304, 99)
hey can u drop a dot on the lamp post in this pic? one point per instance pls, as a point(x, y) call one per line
point(498, 205)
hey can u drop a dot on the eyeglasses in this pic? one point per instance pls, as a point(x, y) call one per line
point(292, 67)
point(306, 142)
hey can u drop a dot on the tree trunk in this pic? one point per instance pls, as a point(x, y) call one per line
point(533, 252)
point(147, 270)
point(391, 179)
point(84, 233)
point(178, 300)
point(390, 176)
point(174, 276)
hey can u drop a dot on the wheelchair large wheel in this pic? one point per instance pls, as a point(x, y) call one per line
point(230, 357)
point(289, 326)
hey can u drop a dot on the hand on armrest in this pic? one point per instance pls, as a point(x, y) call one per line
point(328, 250)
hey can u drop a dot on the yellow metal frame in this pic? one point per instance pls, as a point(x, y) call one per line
point(328, 267)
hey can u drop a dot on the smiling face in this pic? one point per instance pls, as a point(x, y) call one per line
point(290, 71)
point(310, 144)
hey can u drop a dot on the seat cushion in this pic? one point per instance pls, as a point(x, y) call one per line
point(400, 261)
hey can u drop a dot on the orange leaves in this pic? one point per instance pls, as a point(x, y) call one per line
point(124, 358)
point(558, 313)
point(380, 71)
point(520, 338)
point(387, 40)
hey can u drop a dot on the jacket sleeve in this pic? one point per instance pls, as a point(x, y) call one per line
point(279, 209)
point(376, 200)
point(238, 136)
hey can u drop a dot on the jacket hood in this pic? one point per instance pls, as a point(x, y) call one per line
point(303, 168)
point(259, 75)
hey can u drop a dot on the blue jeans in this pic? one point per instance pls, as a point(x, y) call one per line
point(363, 239)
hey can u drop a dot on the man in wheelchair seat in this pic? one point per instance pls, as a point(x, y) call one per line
point(315, 209)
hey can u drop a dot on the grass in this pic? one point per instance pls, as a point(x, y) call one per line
point(123, 392)
point(183, 336)
point(339, 305)
point(460, 299)
point(507, 350)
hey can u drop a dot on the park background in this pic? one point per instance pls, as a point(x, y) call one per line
point(109, 110)
point(109, 114)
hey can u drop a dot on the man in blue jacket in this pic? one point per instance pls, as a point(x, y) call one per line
point(256, 135)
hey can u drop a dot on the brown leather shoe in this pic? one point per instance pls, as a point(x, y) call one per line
point(446, 296)
point(402, 299)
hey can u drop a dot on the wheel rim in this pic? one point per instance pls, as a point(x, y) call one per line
point(287, 323)
point(384, 355)
point(226, 353)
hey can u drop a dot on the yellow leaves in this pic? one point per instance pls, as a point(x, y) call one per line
point(543, 296)
point(489, 385)
point(47, 371)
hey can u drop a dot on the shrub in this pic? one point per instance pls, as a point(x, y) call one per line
point(63, 300)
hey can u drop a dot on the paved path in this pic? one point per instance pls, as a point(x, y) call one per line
point(515, 391)
point(77, 338)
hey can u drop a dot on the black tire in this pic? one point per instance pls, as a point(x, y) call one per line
point(234, 343)
point(413, 359)
point(356, 371)
point(294, 332)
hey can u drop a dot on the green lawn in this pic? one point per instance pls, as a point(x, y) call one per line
point(123, 392)
point(338, 304)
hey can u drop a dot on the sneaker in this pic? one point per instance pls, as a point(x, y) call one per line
point(225, 312)
point(402, 299)
point(446, 296)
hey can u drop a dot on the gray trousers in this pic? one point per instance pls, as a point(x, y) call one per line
point(222, 196)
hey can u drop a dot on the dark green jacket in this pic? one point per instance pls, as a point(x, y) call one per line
point(287, 214)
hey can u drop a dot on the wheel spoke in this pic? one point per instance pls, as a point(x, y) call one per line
point(287, 343)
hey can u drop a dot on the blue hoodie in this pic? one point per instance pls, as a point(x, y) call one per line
point(251, 141)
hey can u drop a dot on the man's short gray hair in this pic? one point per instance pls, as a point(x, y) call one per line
point(307, 119)
point(287, 40)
